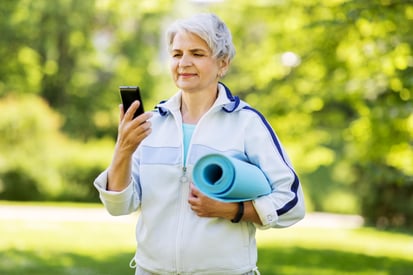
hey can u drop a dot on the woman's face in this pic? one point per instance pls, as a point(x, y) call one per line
point(192, 66)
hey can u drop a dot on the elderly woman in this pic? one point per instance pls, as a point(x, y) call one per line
point(180, 230)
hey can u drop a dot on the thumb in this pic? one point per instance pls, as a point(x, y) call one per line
point(194, 191)
point(121, 112)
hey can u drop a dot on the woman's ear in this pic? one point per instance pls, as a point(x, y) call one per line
point(223, 66)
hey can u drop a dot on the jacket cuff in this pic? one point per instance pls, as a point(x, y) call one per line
point(266, 212)
point(101, 183)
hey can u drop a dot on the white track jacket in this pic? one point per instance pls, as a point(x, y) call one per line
point(171, 238)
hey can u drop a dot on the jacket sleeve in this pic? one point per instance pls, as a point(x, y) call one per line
point(285, 205)
point(118, 203)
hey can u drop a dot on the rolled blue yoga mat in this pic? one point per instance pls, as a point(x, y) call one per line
point(229, 179)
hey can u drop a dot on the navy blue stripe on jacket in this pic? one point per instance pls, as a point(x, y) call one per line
point(294, 187)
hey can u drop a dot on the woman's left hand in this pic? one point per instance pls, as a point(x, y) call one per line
point(204, 206)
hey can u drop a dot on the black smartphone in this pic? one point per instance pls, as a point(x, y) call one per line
point(128, 95)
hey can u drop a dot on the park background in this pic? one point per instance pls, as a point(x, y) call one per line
point(333, 77)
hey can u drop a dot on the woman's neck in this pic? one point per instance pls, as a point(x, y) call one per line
point(195, 105)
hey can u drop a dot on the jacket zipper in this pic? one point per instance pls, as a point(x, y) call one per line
point(183, 180)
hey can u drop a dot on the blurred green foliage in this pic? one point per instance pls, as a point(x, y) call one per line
point(334, 78)
point(29, 136)
point(37, 161)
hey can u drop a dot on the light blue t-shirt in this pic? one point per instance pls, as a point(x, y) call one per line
point(188, 130)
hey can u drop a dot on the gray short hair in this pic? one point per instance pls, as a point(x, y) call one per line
point(210, 28)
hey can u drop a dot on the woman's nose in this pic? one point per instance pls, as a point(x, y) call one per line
point(185, 61)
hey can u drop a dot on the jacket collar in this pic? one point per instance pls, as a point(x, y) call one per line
point(225, 99)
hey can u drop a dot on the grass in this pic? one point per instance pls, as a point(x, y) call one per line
point(335, 251)
point(59, 247)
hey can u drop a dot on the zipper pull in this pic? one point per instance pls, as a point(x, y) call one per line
point(184, 178)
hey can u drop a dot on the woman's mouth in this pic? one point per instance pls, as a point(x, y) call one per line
point(186, 75)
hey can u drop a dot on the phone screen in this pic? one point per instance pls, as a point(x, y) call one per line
point(128, 95)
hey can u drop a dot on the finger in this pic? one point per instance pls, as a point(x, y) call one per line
point(144, 131)
point(121, 112)
point(131, 110)
point(192, 200)
point(193, 190)
point(143, 117)
point(191, 195)
point(196, 191)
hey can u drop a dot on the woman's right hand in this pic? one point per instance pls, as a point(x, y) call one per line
point(131, 132)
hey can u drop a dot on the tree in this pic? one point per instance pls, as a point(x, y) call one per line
point(346, 108)
point(332, 77)
point(76, 53)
